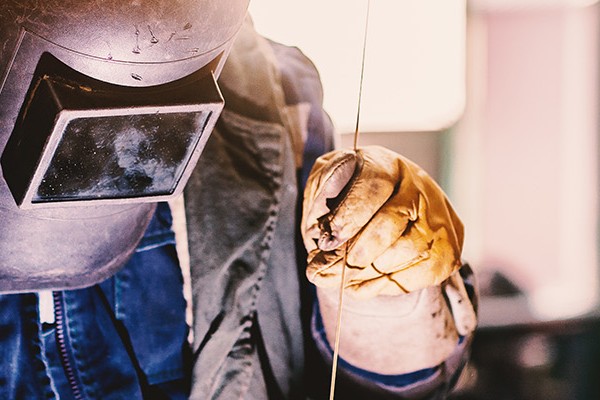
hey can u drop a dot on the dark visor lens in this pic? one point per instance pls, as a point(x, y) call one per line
point(121, 156)
point(79, 140)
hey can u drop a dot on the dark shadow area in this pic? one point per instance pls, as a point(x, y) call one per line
point(549, 361)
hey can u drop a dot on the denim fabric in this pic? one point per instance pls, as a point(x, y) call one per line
point(140, 310)
point(147, 296)
point(22, 369)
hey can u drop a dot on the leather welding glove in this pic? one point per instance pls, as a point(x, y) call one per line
point(393, 227)
point(384, 217)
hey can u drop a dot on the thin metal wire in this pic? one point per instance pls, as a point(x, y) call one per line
point(362, 75)
point(338, 329)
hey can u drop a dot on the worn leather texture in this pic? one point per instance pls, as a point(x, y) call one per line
point(384, 217)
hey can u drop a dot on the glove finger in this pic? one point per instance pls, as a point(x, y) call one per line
point(387, 225)
point(330, 174)
point(422, 256)
point(408, 205)
point(397, 276)
point(462, 309)
point(437, 209)
point(423, 273)
point(369, 283)
point(374, 180)
point(325, 268)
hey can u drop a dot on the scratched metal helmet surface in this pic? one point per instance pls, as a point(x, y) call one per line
point(125, 48)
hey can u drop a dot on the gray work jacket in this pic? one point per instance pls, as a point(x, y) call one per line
point(241, 217)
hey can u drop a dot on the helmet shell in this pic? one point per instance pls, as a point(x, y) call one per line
point(138, 43)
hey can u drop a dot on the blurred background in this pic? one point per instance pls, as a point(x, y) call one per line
point(499, 101)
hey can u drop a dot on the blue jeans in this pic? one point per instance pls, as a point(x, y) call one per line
point(119, 339)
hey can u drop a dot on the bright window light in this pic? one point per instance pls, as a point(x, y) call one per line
point(415, 58)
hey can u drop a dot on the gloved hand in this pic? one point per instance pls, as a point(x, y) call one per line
point(384, 217)
point(390, 223)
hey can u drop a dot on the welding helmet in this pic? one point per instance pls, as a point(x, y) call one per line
point(105, 107)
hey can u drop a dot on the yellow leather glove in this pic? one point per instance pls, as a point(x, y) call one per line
point(382, 215)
